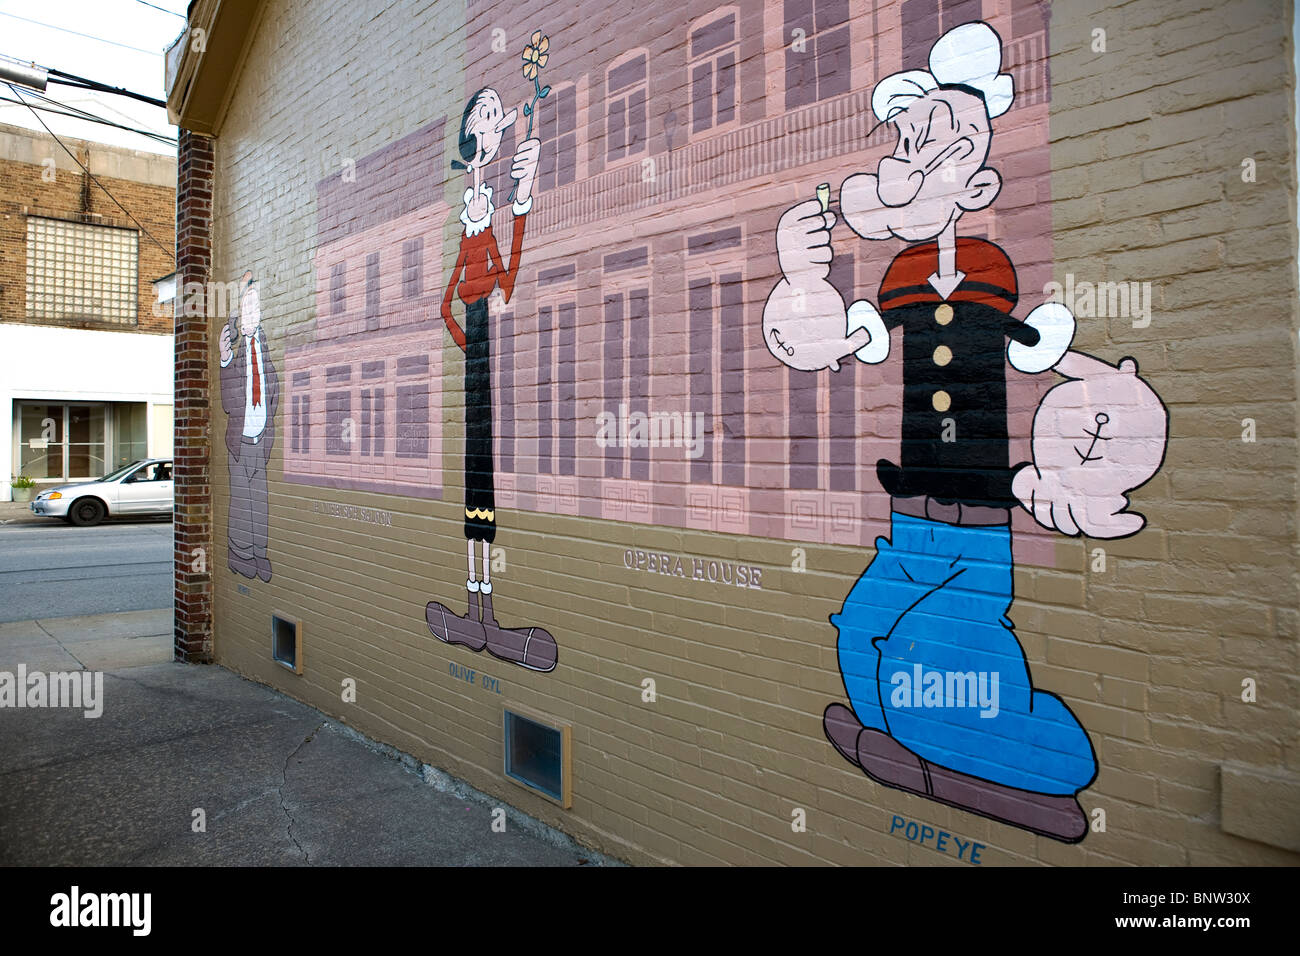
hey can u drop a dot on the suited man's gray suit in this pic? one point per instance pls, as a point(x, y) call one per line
point(249, 515)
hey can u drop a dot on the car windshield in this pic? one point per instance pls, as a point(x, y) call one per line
point(114, 475)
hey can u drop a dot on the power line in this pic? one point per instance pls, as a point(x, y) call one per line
point(77, 160)
point(48, 74)
point(79, 114)
point(163, 9)
point(71, 79)
point(73, 113)
point(89, 115)
point(51, 26)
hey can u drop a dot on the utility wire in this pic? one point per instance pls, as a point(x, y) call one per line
point(63, 78)
point(74, 113)
point(77, 160)
point(163, 9)
point(94, 117)
point(51, 26)
point(71, 79)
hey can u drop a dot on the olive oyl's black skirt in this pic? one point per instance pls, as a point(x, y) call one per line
point(480, 496)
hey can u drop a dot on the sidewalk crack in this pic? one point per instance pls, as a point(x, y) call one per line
point(62, 646)
point(284, 779)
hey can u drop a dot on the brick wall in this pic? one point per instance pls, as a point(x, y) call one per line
point(1121, 161)
point(192, 516)
point(38, 178)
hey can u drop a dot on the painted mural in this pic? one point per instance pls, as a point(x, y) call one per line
point(250, 396)
point(623, 362)
point(941, 700)
point(627, 357)
point(479, 272)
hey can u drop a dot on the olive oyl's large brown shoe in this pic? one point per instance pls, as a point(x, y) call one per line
point(454, 629)
point(886, 761)
point(529, 647)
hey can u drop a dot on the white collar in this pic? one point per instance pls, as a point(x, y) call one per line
point(474, 226)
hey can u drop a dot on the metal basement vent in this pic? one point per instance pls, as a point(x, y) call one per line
point(538, 756)
point(286, 642)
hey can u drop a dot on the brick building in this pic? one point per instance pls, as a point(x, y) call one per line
point(85, 322)
point(684, 574)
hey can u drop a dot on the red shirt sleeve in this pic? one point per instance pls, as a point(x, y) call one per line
point(507, 281)
point(457, 333)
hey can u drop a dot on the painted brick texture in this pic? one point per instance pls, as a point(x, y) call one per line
point(648, 256)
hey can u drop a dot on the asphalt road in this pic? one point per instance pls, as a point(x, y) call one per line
point(56, 570)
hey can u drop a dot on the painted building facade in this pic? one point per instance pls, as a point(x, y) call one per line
point(683, 531)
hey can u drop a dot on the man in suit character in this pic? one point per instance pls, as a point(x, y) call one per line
point(250, 392)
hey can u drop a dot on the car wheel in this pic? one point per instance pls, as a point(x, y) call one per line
point(86, 512)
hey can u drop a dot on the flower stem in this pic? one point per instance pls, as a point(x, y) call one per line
point(531, 111)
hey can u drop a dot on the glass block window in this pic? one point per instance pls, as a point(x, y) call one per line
point(79, 271)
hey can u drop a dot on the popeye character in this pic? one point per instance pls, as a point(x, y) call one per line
point(924, 640)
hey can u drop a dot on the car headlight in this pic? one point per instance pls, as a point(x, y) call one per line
point(53, 496)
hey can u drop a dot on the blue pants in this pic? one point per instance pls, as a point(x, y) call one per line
point(929, 657)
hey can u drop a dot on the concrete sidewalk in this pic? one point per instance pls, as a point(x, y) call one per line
point(277, 782)
point(14, 512)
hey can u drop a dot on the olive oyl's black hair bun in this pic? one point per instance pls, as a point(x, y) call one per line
point(468, 142)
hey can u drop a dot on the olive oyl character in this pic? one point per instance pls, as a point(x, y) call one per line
point(478, 272)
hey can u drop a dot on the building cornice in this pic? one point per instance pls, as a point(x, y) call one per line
point(204, 62)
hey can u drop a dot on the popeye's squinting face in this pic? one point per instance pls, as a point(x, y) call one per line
point(935, 174)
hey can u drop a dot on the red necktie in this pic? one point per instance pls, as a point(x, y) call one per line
point(257, 385)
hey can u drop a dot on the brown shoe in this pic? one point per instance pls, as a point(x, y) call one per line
point(530, 647)
point(1055, 815)
point(453, 629)
point(888, 762)
point(842, 728)
point(485, 604)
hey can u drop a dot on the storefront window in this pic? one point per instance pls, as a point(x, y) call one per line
point(86, 441)
point(40, 440)
point(73, 442)
point(130, 433)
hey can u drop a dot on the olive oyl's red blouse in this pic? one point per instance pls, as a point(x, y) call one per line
point(480, 259)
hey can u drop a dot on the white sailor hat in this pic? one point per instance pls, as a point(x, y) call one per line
point(969, 55)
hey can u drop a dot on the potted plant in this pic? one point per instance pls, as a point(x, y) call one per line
point(23, 487)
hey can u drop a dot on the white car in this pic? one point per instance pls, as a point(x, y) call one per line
point(140, 488)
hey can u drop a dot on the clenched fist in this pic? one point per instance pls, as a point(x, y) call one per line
point(227, 345)
point(805, 324)
point(1096, 437)
point(803, 241)
point(524, 168)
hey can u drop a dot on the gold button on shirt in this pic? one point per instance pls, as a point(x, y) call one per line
point(942, 356)
point(942, 401)
point(943, 314)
